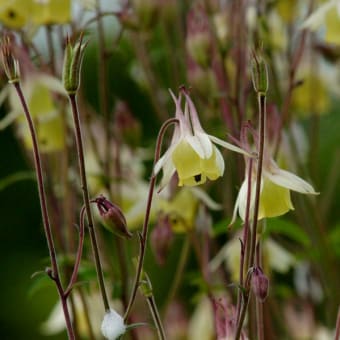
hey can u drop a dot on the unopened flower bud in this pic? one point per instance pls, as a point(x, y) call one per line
point(112, 216)
point(259, 74)
point(72, 64)
point(9, 62)
point(161, 239)
point(113, 325)
point(260, 284)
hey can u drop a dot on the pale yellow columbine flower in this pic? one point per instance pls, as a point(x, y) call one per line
point(19, 13)
point(182, 208)
point(192, 153)
point(276, 185)
point(39, 92)
point(327, 14)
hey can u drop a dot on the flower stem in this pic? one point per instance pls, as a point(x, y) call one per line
point(156, 317)
point(143, 236)
point(94, 244)
point(74, 275)
point(262, 119)
point(54, 274)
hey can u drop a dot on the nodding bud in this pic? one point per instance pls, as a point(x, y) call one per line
point(9, 62)
point(260, 284)
point(72, 64)
point(113, 218)
point(259, 73)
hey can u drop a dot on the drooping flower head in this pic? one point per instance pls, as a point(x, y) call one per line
point(192, 153)
point(276, 184)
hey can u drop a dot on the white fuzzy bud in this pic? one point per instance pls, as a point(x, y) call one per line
point(113, 325)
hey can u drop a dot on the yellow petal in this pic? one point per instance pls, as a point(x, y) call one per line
point(51, 12)
point(181, 210)
point(14, 14)
point(193, 170)
point(188, 164)
point(50, 134)
point(274, 200)
point(332, 27)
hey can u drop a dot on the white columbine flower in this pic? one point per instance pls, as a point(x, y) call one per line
point(192, 153)
point(113, 325)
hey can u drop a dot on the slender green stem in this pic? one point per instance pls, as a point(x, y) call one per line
point(43, 204)
point(86, 198)
point(244, 246)
point(156, 317)
point(179, 272)
point(143, 236)
point(262, 119)
point(74, 275)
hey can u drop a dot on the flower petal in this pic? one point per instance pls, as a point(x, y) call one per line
point(206, 143)
point(274, 200)
point(317, 18)
point(229, 146)
point(195, 145)
point(290, 181)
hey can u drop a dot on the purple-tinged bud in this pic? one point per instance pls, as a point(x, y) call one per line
point(9, 62)
point(260, 284)
point(112, 216)
point(161, 239)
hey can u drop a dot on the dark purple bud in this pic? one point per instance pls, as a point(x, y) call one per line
point(260, 284)
point(112, 216)
point(161, 239)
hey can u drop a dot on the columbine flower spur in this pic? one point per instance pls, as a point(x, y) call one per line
point(192, 153)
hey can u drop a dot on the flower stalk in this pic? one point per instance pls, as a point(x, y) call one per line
point(86, 198)
point(54, 272)
point(144, 234)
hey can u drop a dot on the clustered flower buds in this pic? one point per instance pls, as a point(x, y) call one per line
point(113, 218)
point(260, 284)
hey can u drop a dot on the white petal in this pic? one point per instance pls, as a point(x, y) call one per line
point(205, 198)
point(279, 258)
point(290, 181)
point(160, 163)
point(168, 171)
point(9, 119)
point(206, 143)
point(317, 18)
point(219, 161)
point(228, 145)
point(193, 115)
point(196, 145)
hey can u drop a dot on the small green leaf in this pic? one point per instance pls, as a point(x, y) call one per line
point(16, 177)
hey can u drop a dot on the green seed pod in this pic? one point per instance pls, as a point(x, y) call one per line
point(259, 74)
point(72, 64)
